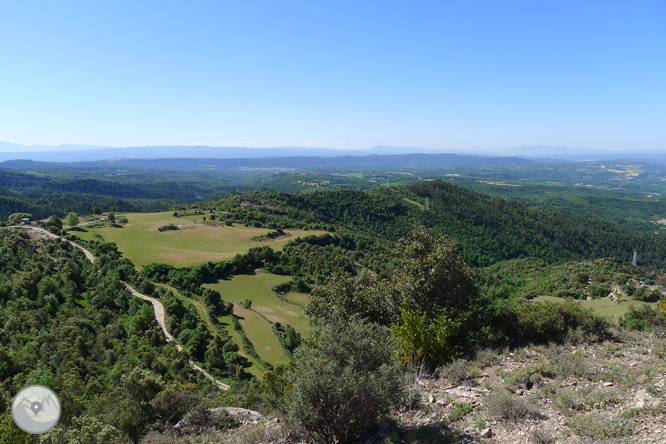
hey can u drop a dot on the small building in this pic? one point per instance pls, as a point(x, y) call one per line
point(25, 221)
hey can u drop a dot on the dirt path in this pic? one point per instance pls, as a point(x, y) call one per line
point(92, 221)
point(159, 312)
point(37, 232)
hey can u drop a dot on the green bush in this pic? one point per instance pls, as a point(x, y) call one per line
point(527, 376)
point(343, 383)
point(424, 338)
point(520, 322)
point(644, 317)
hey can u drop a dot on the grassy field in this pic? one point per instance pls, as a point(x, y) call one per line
point(603, 306)
point(192, 244)
point(266, 309)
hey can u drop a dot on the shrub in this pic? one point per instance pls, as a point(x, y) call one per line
point(527, 376)
point(522, 322)
point(542, 437)
point(424, 338)
point(168, 227)
point(599, 426)
point(503, 404)
point(644, 317)
point(565, 364)
point(344, 381)
point(456, 372)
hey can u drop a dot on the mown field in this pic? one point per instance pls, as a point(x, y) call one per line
point(193, 243)
point(265, 310)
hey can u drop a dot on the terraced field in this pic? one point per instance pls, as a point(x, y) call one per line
point(193, 243)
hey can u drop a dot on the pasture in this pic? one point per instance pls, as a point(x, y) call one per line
point(193, 243)
point(266, 309)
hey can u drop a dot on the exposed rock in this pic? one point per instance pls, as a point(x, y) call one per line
point(486, 433)
point(212, 416)
point(644, 399)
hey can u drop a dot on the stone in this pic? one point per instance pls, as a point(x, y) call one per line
point(431, 399)
point(486, 433)
point(642, 398)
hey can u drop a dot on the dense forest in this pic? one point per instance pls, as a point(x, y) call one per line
point(73, 327)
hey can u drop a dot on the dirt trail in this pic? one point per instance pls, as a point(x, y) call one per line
point(159, 312)
point(37, 232)
point(41, 232)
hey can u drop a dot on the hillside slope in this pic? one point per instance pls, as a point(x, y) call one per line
point(487, 229)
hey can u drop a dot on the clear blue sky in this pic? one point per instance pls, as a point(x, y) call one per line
point(354, 74)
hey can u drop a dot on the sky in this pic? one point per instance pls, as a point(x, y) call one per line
point(462, 75)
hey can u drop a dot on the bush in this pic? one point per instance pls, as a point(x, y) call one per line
point(644, 317)
point(344, 381)
point(168, 227)
point(456, 372)
point(599, 426)
point(521, 322)
point(426, 338)
point(528, 376)
point(504, 405)
point(542, 437)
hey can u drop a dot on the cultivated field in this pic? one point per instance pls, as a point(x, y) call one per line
point(194, 243)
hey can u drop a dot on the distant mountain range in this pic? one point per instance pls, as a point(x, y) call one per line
point(422, 161)
point(82, 153)
point(91, 153)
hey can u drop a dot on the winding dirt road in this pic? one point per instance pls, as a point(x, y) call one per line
point(37, 232)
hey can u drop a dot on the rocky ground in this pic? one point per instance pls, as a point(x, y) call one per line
point(614, 391)
point(607, 392)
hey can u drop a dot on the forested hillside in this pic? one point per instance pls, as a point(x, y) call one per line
point(72, 326)
point(487, 229)
point(60, 192)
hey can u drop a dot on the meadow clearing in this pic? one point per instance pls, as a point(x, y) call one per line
point(193, 243)
point(266, 309)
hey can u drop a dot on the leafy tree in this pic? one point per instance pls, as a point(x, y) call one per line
point(174, 402)
point(54, 222)
point(84, 430)
point(133, 411)
point(10, 433)
point(72, 219)
point(363, 295)
point(111, 217)
point(432, 278)
point(16, 217)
